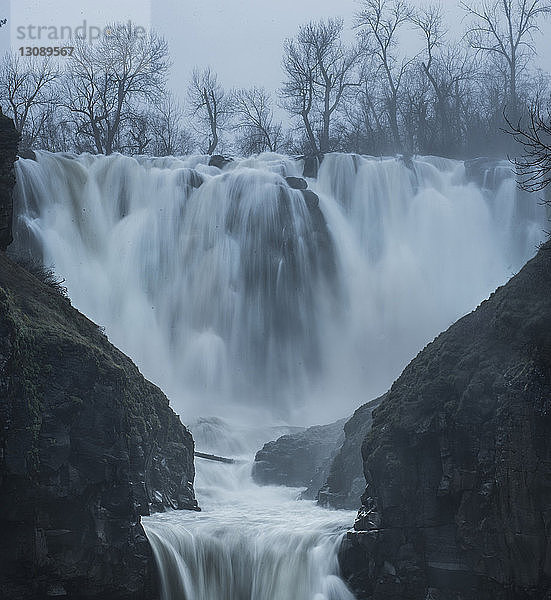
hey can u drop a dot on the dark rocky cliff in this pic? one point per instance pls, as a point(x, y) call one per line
point(299, 459)
point(87, 445)
point(458, 461)
point(326, 459)
point(344, 481)
point(9, 138)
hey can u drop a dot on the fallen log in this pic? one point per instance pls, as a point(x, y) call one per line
point(222, 459)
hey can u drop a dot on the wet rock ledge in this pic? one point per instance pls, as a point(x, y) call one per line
point(299, 459)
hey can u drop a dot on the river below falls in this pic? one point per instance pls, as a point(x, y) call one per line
point(249, 542)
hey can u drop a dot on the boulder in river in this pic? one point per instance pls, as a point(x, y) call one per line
point(295, 459)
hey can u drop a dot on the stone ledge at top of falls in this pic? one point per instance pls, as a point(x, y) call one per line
point(488, 173)
point(87, 445)
point(458, 460)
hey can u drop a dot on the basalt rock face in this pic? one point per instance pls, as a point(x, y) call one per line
point(9, 138)
point(344, 481)
point(217, 160)
point(299, 459)
point(458, 460)
point(325, 458)
point(87, 445)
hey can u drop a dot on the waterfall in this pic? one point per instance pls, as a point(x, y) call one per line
point(245, 298)
point(231, 292)
point(258, 546)
point(249, 542)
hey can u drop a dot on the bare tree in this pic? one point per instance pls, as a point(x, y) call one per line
point(365, 131)
point(254, 115)
point(533, 168)
point(139, 133)
point(379, 22)
point(210, 106)
point(27, 90)
point(366, 117)
point(108, 78)
point(57, 133)
point(334, 73)
point(297, 93)
point(429, 20)
point(419, 130)
point(85, 97)
point(504, 29)
point(169, 136)
point(320, 72)
point(448, 68)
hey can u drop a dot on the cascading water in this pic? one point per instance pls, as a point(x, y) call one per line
point(248, 543)
point(213, 283)
point(230, 292)
point(233, 291)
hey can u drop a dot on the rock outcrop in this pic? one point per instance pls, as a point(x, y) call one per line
point(219, 161)
point(344, 482)
point(297, 459)
point(326, 459)
point(487, 173)
point(458, 460)
point(311, 166)
point(27, 153)
point(296, 183)
point(9, 139)
point(87, 445)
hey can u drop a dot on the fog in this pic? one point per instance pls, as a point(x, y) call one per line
point(242, 41)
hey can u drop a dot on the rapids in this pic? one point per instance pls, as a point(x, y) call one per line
point(249, 542)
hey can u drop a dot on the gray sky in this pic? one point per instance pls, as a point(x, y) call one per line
point(241, 40)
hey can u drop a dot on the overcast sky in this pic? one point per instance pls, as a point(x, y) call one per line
point(240, 40)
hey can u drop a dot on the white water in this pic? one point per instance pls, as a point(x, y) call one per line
point(233, 299)
point(248, 543)
point(228, 298)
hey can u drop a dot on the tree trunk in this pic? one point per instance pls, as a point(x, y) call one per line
point(213, 143)
point(212, 121)
point(324, 138)
point(310, 133)
point(393, 118)
point(513, 87)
